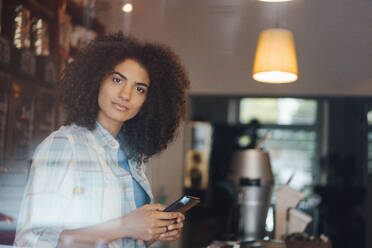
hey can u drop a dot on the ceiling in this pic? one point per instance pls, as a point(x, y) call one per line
point(216, 39)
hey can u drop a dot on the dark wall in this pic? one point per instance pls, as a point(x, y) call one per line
point(347, 138)
point(343, 197)
point(209, 108)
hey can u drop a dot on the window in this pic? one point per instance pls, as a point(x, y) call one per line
point(291, 143)
point(282, 111)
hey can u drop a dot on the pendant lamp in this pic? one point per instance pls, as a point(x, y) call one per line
point(275, 0)
point(275, 60)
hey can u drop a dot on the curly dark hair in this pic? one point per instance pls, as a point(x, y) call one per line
point(155, 126)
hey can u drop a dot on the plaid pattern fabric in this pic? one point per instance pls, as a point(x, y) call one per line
point(74, 182)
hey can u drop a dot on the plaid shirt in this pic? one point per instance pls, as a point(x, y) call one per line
point(74, 182)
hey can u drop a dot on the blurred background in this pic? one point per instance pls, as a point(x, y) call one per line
point(319, 127)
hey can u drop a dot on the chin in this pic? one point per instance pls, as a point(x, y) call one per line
point(122, 118)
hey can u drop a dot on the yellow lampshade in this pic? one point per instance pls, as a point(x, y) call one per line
point(275, 0)
point(275, 60)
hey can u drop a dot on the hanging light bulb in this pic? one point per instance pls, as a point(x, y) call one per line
point(275, 60)
point(127, 8)
point(275, 0)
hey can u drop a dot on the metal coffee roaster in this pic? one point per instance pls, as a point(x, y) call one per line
point(251, 173)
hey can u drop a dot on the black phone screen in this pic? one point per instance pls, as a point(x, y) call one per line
point(183, 204)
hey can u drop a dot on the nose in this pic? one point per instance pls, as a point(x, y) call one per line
point(126, 92)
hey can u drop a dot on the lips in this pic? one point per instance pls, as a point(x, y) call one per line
point(120, 107)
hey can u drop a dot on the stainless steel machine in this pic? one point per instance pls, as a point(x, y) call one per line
point(250, 170)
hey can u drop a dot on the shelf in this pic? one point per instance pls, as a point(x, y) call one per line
point(76, 11)
point(38, 7)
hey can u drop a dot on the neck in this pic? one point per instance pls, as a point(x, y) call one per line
point(112, 127)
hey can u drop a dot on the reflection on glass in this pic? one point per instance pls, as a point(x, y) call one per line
point(40, 37)
point(292, 152)
point(369, 117)
point(1, 12)
point(22, 104)
point(22, 23)
point(369, 140)
point(3, 112)
point(370, 151)
point(44, 117)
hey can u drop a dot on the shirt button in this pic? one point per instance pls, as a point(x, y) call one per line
point(78, 190)
point(126, 185)
point(113, 144)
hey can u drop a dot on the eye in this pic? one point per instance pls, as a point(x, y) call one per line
point(116, 80)
point(140, 90)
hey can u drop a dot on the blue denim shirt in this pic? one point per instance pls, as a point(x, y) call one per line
point(140, 196)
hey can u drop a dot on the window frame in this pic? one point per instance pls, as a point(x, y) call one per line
point(319, 126)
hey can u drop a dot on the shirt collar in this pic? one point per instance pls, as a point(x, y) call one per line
point(104, 137)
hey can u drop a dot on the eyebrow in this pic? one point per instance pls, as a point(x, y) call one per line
point(125, 78)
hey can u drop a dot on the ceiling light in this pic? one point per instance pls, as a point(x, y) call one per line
point(275, 0)
point(127, 8)
point(275, 60)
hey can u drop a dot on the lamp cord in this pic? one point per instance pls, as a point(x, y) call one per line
point(277, 24)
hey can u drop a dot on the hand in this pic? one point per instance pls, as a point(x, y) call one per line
point(149, 222)
point(173, 230)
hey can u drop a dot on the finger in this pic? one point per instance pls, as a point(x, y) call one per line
point(169, 239)
point(155, 206)
point(159, 230)
point(162, 223)
point(180, 218)
point(175, 226)
point(167, 215)
point(170, 235)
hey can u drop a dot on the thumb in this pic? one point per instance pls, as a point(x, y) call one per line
point(156, 206)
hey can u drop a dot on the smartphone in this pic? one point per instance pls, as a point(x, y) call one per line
point(183, 204)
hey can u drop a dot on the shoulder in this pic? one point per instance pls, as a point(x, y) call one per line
point(72, 130)
point(72, 134)
point(63, 138)
point(55, 150)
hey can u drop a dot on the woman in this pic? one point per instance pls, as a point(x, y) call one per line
point(124, 101)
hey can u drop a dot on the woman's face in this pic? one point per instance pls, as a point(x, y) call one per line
point(122, 94)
